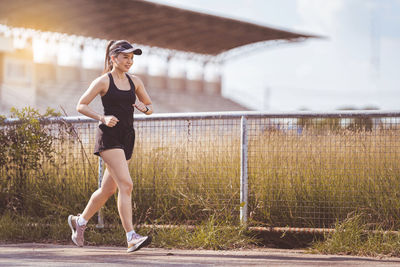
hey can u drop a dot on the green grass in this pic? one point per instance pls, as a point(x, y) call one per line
point(355, 236)
point(209, 234)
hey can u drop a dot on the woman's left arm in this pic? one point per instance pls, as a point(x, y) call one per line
point(143, 103)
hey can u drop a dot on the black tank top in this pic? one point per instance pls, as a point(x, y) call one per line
point(119, 103)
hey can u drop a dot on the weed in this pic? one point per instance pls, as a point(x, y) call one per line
point(355, 236)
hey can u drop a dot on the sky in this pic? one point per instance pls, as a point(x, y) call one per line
point(356, 65)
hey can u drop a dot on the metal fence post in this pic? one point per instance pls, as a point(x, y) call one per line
point(100, 221)
point(243, 171)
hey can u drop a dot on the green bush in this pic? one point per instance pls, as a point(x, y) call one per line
point(26, 145)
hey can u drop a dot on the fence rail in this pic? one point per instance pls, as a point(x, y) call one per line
point(293, 169)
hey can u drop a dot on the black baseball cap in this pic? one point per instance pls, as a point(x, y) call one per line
point(124, 47)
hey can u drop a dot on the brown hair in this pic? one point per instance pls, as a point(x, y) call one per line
point(107, 63)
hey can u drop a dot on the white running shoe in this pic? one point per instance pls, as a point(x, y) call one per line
point(77, 231)
point(137, 242)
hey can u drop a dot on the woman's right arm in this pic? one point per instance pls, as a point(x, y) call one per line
point(95, 88)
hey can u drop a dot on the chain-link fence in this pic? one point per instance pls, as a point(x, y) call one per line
point(291, 169)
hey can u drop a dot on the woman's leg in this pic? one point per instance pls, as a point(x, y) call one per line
point(100, 196)
point(97, 200)
point(118, 168)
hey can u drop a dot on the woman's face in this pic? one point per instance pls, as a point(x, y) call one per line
point(123, 61)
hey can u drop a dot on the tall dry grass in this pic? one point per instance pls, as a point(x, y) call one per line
point(316, 178)
point(310, 179)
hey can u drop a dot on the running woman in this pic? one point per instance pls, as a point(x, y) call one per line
point(115, 138)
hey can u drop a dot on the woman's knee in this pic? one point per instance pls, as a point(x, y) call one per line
point(126, 186)
point(109, 191)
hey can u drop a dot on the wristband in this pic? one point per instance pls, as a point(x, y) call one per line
point(147, 109)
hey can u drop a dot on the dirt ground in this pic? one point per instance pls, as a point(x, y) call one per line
point(32, 254)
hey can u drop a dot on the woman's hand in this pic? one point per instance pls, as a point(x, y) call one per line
point(109, 121)
point(140, 106)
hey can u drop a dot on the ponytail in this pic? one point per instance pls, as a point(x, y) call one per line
point(107, 63)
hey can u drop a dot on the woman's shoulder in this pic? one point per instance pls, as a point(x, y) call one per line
point(136, 80)
point(102, 80)
point(132, 76)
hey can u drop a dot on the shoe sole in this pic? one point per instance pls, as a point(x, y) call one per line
point(144, 243)
point(72, 229)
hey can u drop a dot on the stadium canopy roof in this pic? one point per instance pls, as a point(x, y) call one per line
point(141, 22)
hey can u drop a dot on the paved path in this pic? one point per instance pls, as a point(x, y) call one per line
point(67, 255)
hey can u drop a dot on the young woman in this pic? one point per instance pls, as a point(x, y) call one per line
point(115, 137)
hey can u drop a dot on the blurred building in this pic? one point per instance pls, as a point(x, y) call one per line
point(24, 82)
point(165, 32)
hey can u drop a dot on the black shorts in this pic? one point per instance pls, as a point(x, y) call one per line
point(115, 137)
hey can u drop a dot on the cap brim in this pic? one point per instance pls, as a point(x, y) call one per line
point(136, 51)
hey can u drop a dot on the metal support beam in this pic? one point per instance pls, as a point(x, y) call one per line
point(100, 221)
point(243, 171)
